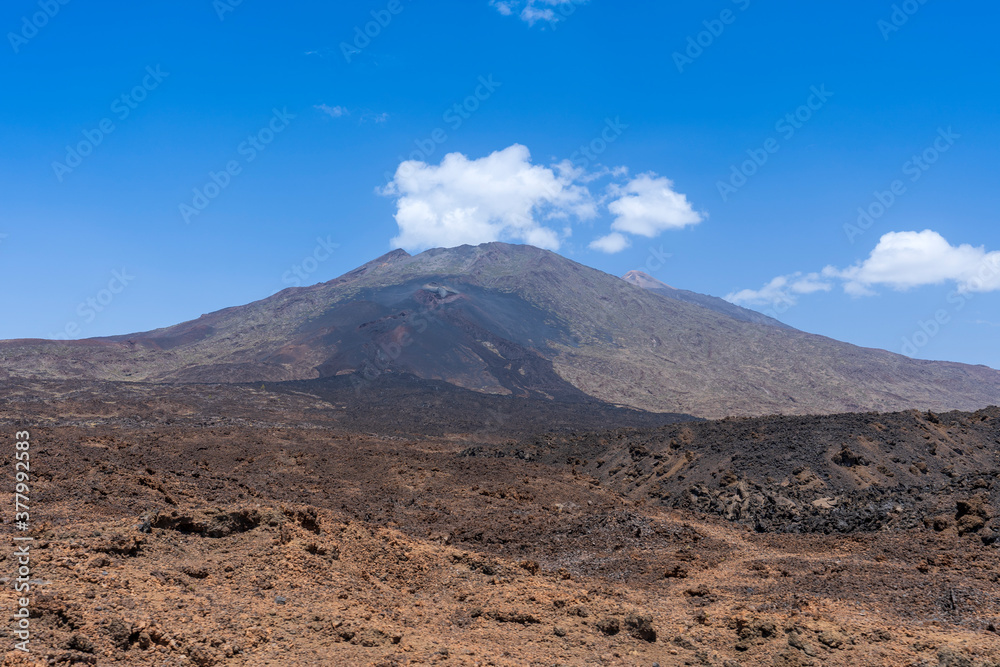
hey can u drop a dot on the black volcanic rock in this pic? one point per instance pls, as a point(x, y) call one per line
point(798, 474)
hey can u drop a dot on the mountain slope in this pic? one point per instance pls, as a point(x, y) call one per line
point(647, 282)
point(522, 321)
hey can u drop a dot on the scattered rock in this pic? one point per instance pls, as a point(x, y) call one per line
point(796, 640)
point(832, 639)
point(514, 617)
point(790, 658)
point(195, 571)
point(640, 626)
point(78, 642)
point(950, 657)
point(530, 566)
point(848, 459)
point(699, 591)
point(214, 523)
point(753, 631)
point(119, 633)
point(972, 514)
point(675, 571)
point(119, 542)
point(941, 522)
point(609, 626)
point(202, 656)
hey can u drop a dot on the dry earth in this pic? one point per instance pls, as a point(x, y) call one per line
point(243, 541)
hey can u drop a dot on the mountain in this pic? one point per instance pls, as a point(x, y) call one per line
point(518, 320)
point(647, 282)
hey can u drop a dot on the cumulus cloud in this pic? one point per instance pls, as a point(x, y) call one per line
point(333, 112)
point(900, 261)
point(903, 260)
point(533, 11)
point(612, 243)
point(500, 197)
point(504, 197)
point(648, 205)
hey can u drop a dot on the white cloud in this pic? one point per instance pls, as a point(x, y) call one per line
point(531, 16)
point(504, 197)
point(333, 112)
point(533, 11)
point(783, 290)
point(500, 197)
point(900, 261)
point(648, 206)
point(612, 243)
point(903, 260)
point(373, 117)
point(503, 7)
point(600, 171)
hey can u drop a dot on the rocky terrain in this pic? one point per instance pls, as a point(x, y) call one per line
point(241, 525)
point(830, 474)
point(390, 404)
point(519, 321)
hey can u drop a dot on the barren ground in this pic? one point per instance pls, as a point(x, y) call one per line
point(250, 543)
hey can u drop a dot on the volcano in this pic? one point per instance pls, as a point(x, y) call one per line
point(517, 320)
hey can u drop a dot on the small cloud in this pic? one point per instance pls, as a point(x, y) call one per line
point(531, 16)
point(783, 290)
point(333, 112)
point(648, 205)
point(612, 243)
point(535, 11)
point(377, 118)
point(603, 172)
point(502, 7)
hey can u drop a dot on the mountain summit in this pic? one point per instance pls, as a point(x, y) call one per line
point(645, 281)
point(512, 319)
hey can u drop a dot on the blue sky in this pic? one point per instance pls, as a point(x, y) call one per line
point(161, 161)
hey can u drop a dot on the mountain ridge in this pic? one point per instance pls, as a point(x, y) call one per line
point(647, 282)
